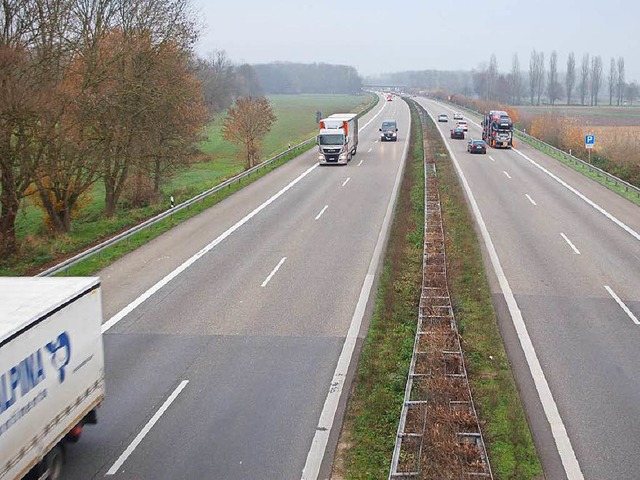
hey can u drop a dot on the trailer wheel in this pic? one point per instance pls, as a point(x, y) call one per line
point(53, 463)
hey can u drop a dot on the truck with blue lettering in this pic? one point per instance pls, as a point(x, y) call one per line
point(51, 370)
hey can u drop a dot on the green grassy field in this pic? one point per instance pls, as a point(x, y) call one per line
point(295, 122)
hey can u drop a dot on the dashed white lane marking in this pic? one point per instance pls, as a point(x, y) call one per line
point(530, 199)
point(491, 158)
point(143, 433)
point(146, 295)
point(170, 276)
point(360, 162)
point(573, 247)
point(622, 305)
point(316, 453)
point(346, 181)
point(508, 176)
point(558, 430)
point(273, 272)
point(370, 150)
point(615, 220)
point(321, 212)
point(376, 141)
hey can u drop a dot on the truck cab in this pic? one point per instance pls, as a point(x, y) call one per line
point(338, 138)
point(332, 146)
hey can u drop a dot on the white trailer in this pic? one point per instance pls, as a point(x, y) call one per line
point(51, 370)
point(338, 138)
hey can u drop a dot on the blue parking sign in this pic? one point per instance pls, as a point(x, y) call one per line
point(589, 141)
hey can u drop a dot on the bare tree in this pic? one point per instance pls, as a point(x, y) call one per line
point(533, 72)
point(246, 124)
point(612, 79)
point(540, 75)
point(570, 79)
point(18, 115)
point(553, 87)
point(585, 72)
point(621, 80)
point(516, 81)
point(217, 76)
point(596, 78)
point(631, 92)
point(492, 77)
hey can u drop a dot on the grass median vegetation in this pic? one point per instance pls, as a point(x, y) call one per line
point(371, 422)
point(509, 443)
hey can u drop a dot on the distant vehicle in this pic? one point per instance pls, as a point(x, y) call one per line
point(462, 124)
point(457, 133)
point(443, 117)
point(476, 146)
point(51, 370)
point(497, 129)
point(338, 138)
point(389, 97)
point(389, 131)
point(457, 116)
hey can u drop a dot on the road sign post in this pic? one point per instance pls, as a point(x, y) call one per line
point(589, 143)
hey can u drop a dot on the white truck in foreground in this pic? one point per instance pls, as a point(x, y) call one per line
point(51, 370)
point(338, 138)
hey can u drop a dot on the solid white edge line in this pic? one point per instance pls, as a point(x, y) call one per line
point(558, 430)
point(316, 453)
point(143, 433)
point(170, 276)
point(530, 199)
point(622, 225)
point(346, 181)
point(273, 272)
point(491, 158)
point(360, 162)
point(622, 305)
point(321, 212)
point(508, 176)
point(573, 247)
point(146, 295)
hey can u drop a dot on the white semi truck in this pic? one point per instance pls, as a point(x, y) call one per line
point(338, 138)
point(51, 370)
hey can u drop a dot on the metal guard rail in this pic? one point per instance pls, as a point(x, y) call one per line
point(166, 214)
point(64, 265)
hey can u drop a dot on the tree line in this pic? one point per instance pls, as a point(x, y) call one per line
point(585, 82)
point(105, 91)
point(111, 92)
point(292, 78)
point(92, 90)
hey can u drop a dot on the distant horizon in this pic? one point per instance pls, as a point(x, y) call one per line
point(377, 39)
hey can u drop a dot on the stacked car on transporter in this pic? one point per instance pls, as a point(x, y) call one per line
point(497, 129)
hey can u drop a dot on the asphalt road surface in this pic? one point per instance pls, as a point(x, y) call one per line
point(568, 251)
point(225, 368)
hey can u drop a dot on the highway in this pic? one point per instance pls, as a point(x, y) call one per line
point(563, 256)
point(229, 339)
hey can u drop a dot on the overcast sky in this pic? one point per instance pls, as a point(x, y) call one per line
point(386, 36)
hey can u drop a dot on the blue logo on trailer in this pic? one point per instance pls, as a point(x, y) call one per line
point(60, 350)
point(589, 140)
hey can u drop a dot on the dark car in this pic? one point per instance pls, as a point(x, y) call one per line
point(389, 131)
point(457, 133)
point(477, 146)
